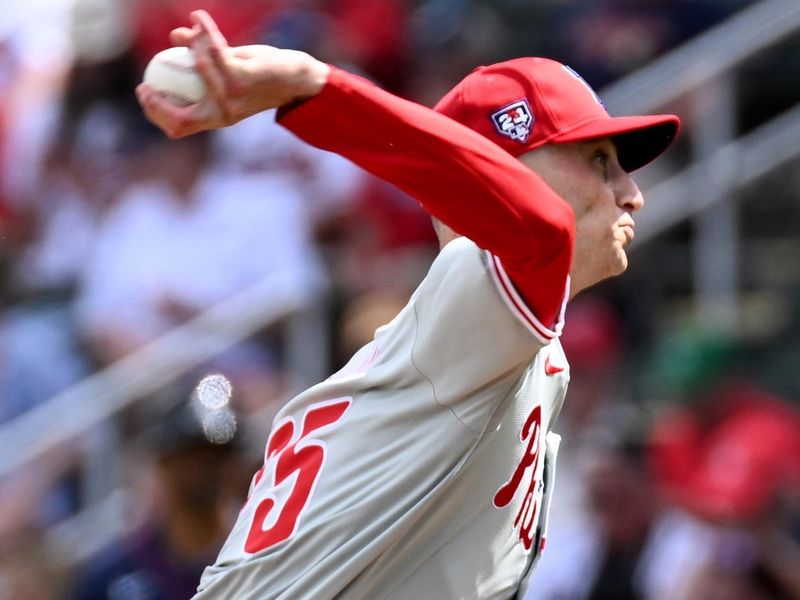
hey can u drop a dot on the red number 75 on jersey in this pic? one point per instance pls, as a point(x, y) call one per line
point(289, 452)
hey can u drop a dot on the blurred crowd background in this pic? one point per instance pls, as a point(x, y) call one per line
point(132, 266)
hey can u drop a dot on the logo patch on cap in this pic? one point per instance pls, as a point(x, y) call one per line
point(514, 121)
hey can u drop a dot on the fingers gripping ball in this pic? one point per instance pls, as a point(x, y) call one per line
point(173, 74)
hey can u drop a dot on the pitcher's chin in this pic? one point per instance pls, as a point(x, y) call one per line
point(621, 264)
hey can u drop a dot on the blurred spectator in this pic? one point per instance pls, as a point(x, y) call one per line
point(36, 57)
point(242, 21)
point(182, 238)
point(451, 38)
point(57, 213)
point(751, 563)
point(188, 233)
point(729, 452)
point(298, 25)
point(8, 67)
point(626, 545)
point(99, 30)
point(370, 36)
point(727, 449)
point(29, 572)
point(196, 483)
point(733, 460)
point(39, 495)
point(607, 39)
point(57, 204)
point(384, 242)
point(613, 38)
point(325, 184)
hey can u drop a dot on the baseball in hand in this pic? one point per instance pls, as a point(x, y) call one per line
point(173, 74)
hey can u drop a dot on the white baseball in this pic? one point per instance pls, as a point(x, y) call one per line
point(173, 74)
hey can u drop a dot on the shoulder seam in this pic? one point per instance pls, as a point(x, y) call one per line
point(428, 379)
point(517, 305)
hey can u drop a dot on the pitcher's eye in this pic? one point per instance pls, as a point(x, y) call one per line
point(601, 158)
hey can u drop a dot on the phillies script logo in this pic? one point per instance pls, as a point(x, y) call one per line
point(526, 517)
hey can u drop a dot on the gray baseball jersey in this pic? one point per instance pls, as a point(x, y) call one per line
point(418, 471)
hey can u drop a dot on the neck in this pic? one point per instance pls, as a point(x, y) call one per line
point(579, 281)
point(589, 267)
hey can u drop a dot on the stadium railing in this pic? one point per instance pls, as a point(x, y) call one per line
point(702, 75)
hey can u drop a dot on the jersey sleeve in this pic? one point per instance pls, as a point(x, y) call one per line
point(467, 344)
point(462, 178)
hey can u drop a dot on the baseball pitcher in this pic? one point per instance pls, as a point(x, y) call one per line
point(422, 469)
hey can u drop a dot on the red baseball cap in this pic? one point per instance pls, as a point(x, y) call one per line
point(744, 467)
point(524, 103)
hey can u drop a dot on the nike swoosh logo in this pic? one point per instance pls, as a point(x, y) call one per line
point(550, 368)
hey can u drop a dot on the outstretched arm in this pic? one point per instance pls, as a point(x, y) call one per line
point(462, 178)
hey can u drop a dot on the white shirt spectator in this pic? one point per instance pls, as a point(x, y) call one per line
point(154, 248)
point(258, 147)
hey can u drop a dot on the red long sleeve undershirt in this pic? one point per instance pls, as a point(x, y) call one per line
point(462, 178)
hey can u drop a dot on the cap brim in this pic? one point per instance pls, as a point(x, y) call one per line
point(639, 139)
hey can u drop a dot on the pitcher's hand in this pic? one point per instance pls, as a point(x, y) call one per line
point(241, 81)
